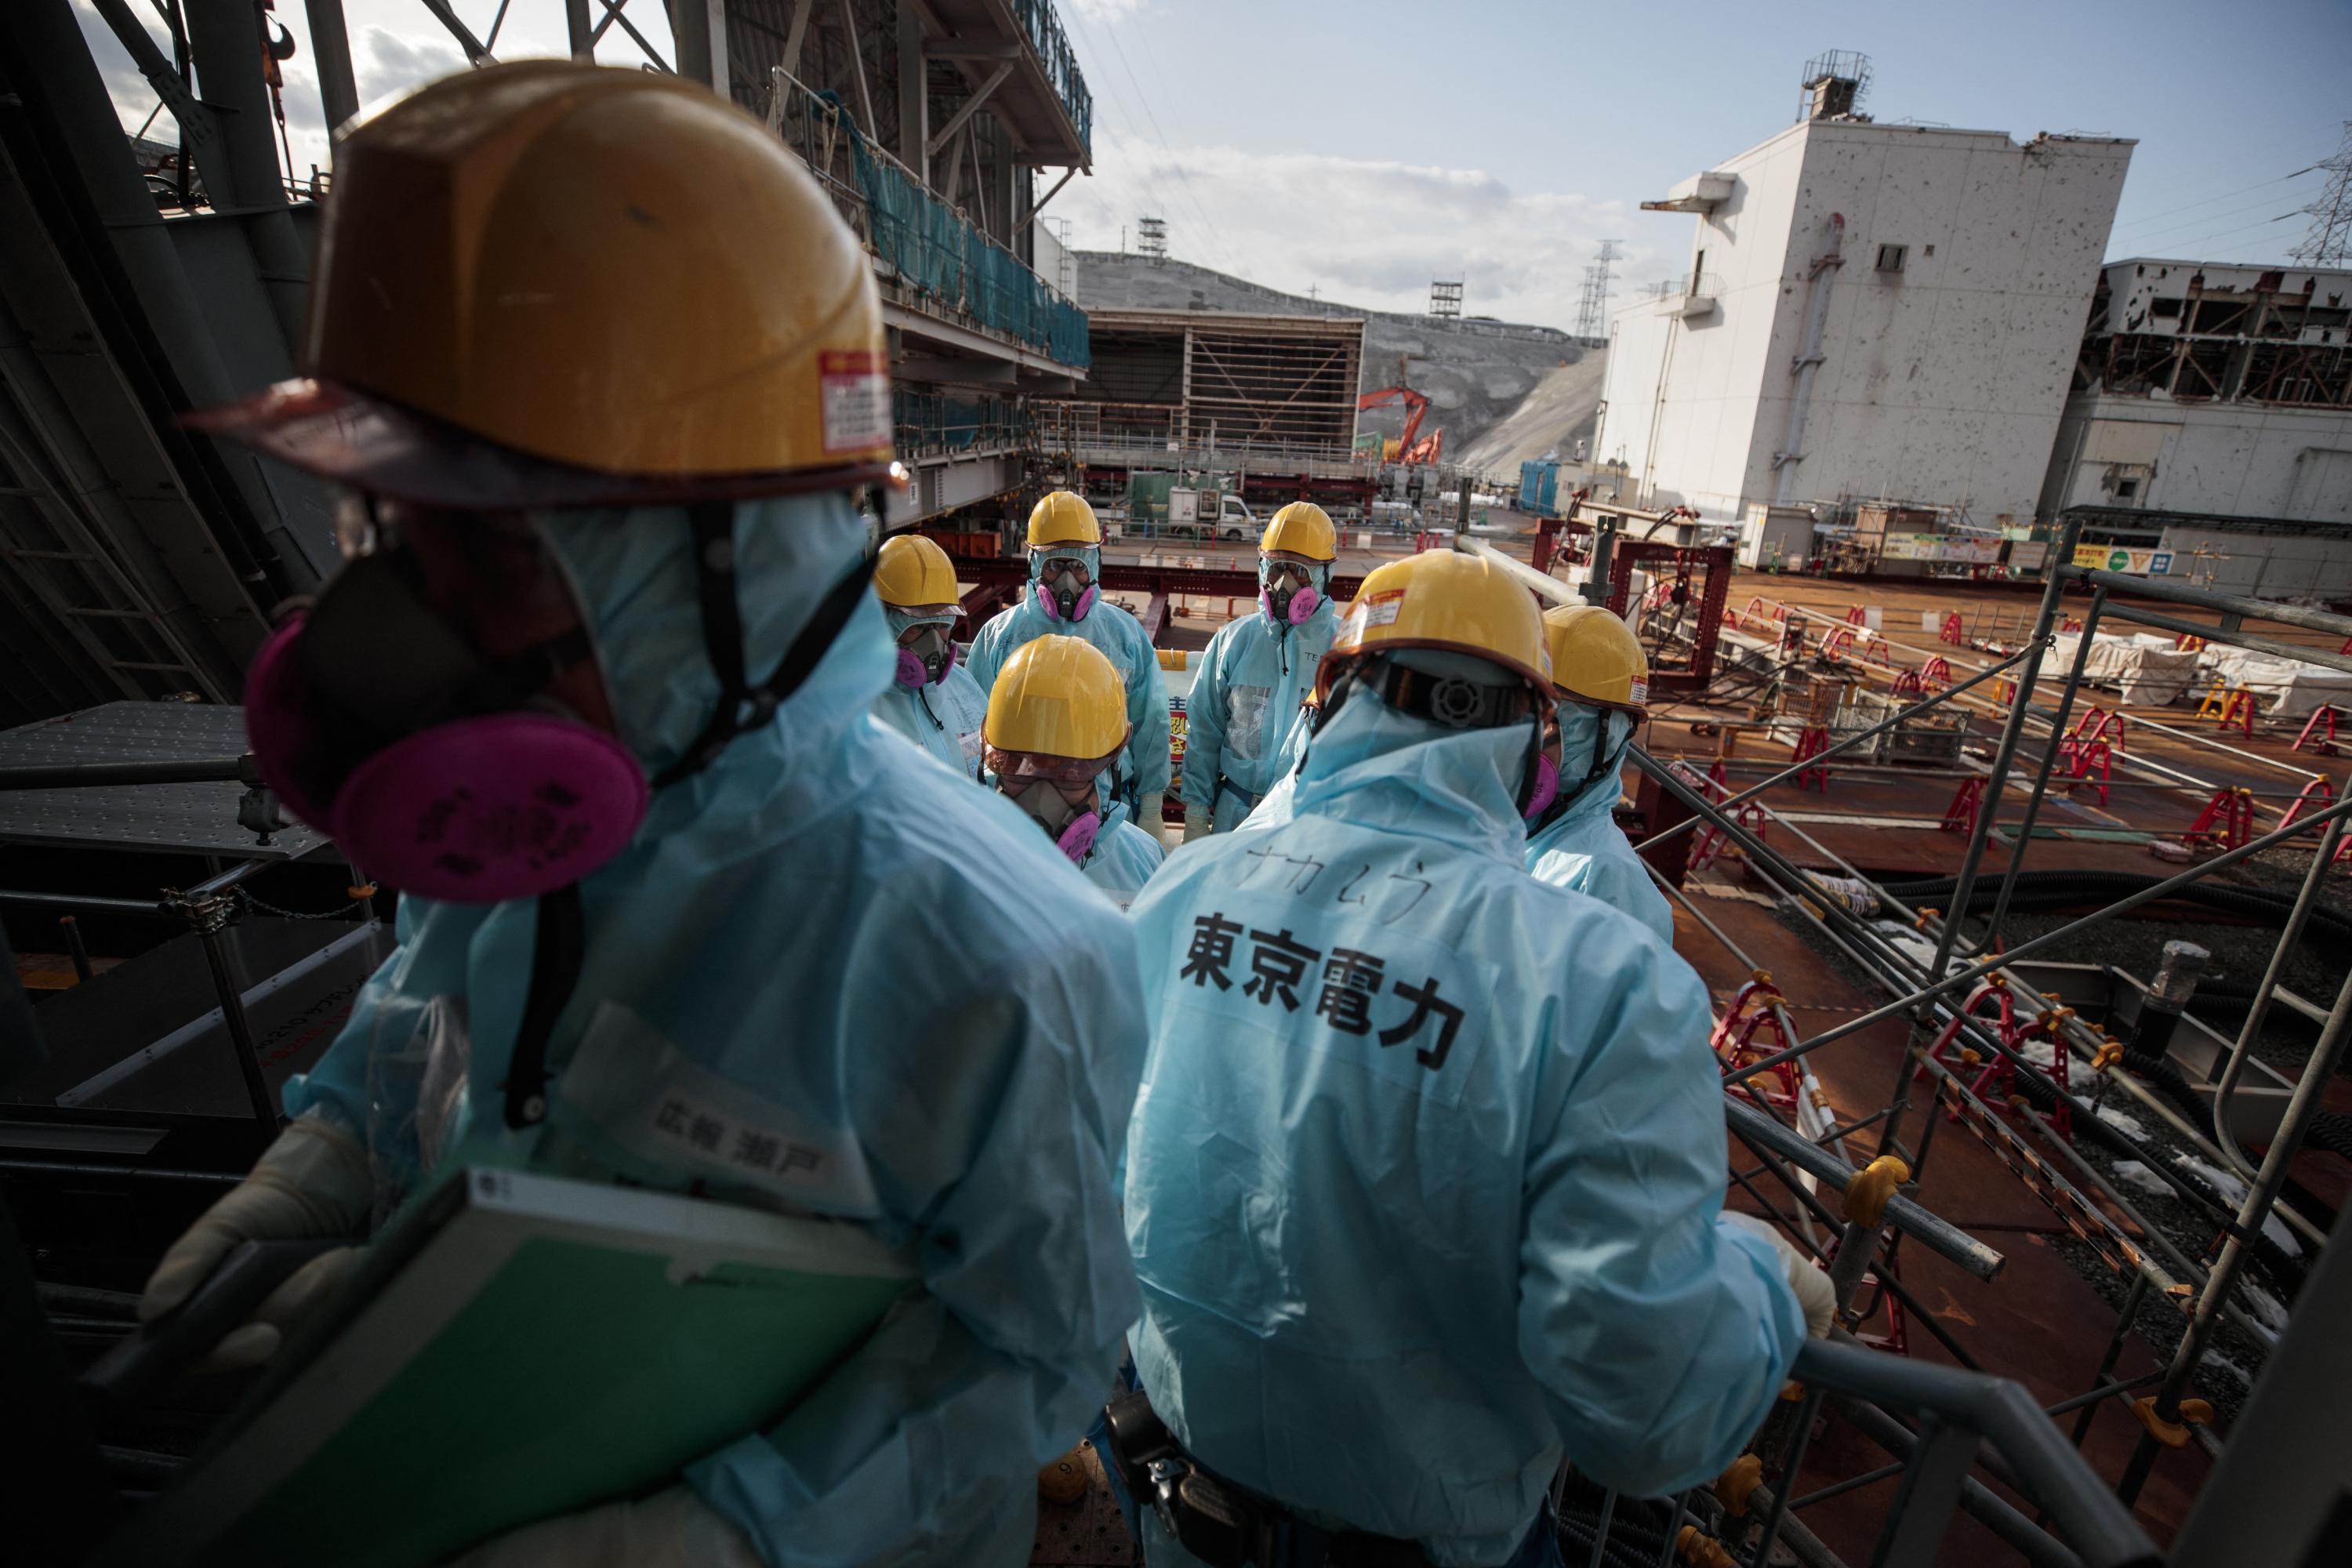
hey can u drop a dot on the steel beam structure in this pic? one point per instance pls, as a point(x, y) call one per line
point(1926, 991)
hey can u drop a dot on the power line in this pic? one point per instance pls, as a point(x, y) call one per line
point(2144, 221)
point(2161, 234)
point(1159, 137)
point(1110, 87)
point(2221, 235)
point(1182, 173)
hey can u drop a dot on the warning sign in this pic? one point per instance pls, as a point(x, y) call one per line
point(854, 395)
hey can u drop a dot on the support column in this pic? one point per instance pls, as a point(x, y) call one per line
point(331, 51)
point(227, 46)
point(914, 99)
point(700, 28)
point(577, 27)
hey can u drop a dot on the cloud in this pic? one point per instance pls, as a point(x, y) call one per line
point(387, 62)
point(1371, 232)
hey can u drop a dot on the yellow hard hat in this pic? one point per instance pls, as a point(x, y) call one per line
point(1302, 528)
point(913, 572)
point(555, 283)
point(1446, 600)
point(1062, 517)
point(1596, 658)
point(1057, 697)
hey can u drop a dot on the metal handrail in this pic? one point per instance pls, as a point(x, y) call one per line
point(2088, 1515)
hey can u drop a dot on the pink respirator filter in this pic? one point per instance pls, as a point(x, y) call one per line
point(474, 810)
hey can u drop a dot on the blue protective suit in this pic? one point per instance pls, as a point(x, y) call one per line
point(944, 719)
point(1242, 704)
point(1124, 856)
point(1582, 848)
point(797, 937)
point(1281, 801)
point(1424, 1176)
point(1121, 636)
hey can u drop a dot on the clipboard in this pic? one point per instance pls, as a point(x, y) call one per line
point(520, 1346)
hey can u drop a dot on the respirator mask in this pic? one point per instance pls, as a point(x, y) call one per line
point(1062, 795)
point(441, 712)
point(927, 649)
point(1289, 588)
point(1065, 585)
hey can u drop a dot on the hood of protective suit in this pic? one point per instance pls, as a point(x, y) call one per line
point(1579, 728)
point(634, 568)
point(1375, 766)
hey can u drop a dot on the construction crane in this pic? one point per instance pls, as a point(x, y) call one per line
point(1412, 446)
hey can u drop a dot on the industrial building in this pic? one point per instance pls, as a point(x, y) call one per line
point(1871, 312)
point(2211, 423)
point(1266, 401)
point(2071, 1176)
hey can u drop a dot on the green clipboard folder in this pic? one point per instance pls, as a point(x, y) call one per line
point(520, 1346)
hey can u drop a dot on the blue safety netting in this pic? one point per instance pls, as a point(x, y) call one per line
point(931, 421)
point(1044, 26)
point(941, 255)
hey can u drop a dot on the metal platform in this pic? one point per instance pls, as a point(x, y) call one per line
point(185, 818)
point(148, 1034)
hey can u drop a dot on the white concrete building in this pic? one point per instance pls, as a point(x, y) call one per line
point(2212, 390)
point(1872, 312)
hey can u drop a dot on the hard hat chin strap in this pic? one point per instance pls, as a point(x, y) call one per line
point(743, 707)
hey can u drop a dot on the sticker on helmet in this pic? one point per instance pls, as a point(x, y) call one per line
point(1641, 693)
point(1381, 609)
point(854, 387)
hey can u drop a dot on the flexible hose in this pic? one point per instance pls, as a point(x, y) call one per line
point(2165, 1079)
point(2332, 1132)
point(2286, 1271)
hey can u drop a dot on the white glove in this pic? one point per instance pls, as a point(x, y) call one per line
point(312, 1182)
point(1199, 821)
point(672, 1528)
point(1815, 1297)
point(1151, 815)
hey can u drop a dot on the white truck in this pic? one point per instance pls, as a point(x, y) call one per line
point(1230, 516)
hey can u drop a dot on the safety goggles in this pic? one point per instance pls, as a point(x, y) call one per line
point(1073, 775)
point(439, 615)
point(1282, 574)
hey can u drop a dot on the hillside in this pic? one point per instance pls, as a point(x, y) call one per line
point(1501, 391)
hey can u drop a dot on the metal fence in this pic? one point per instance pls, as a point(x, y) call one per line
point(931, 423)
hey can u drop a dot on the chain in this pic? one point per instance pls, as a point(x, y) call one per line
point(253, 903)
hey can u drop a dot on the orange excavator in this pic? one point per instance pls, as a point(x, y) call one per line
point(1412, 446)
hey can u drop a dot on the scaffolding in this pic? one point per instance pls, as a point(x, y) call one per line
point(1241, 386)
point(2010, 1075)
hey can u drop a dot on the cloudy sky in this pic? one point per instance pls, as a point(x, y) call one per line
point(1360, 148)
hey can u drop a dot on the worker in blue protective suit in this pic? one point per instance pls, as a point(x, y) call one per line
point(650, 841)
point(1254, 670)
point(934, 699)
point(1425, 1175)
point(1064, 597)
point(1279, 804)
point(1603, 680)
point(1057, 735)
